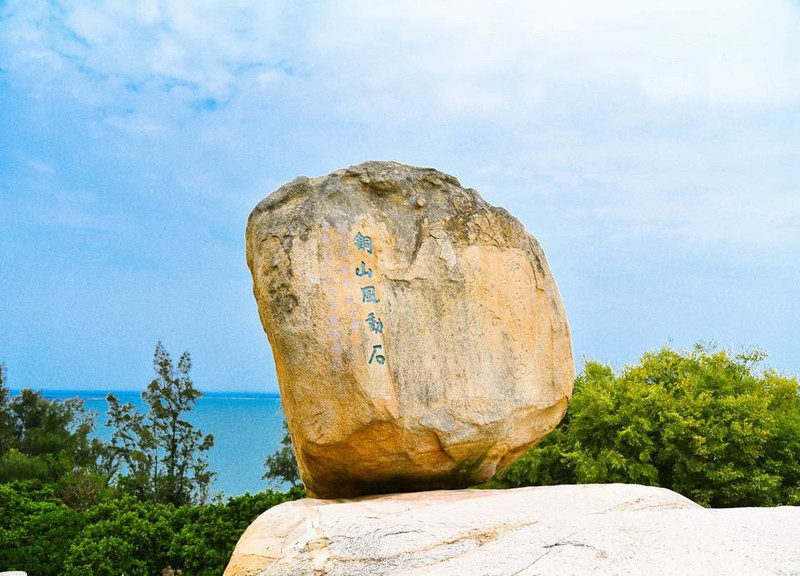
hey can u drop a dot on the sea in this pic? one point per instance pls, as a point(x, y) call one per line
point(246, 427)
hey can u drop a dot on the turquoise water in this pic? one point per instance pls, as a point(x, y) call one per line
point(246, 426)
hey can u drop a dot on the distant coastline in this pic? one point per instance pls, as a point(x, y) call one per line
point(246, 427)
point(63, 394)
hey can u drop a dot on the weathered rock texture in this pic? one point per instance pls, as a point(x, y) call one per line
point(418, 334)
point(612, 529)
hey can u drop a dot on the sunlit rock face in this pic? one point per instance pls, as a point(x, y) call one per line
point(419, 337)
point(598, 529)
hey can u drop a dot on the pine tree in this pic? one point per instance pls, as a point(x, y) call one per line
point(281, 465)
point(159, 454)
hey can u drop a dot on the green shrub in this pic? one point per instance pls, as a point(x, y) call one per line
point(36, 529)
point(704, 423)
point(123, 536)
point(205, 543)
point(41, 535)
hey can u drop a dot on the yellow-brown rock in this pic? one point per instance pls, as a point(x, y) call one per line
point(419, 337)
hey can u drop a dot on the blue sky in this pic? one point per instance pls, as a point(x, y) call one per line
point(651, 147)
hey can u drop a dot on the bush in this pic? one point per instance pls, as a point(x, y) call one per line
point(36, 529)
point(205, 543)
point(123, 536)
point(41, 535)
point(705, 423)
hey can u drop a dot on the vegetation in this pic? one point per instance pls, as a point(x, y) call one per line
point(281, 465)
point(45, 439)
point(208, 534)
point(709, 424)
point(162, 455)
point(704, 423)
point(41, 535)
point(73, 505)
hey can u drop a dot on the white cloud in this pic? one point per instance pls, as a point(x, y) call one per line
point(638, 112)
point(206, 45)
point(37, 165)
point(476, 57)
point(452, 57)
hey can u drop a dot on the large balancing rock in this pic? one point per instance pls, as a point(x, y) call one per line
point(419, 338)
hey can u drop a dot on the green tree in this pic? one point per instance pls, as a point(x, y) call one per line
point(43, 427)
point(6, 425)
point(44, 439)
point(281, 465)
point(160, 455)
point(706, 423)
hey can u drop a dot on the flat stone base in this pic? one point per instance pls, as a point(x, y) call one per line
point(552, 530)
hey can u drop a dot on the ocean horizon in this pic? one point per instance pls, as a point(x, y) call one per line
point(246, 427)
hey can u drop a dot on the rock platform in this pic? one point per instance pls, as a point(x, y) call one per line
point(612, 529)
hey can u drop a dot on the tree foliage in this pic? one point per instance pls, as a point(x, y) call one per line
point(281, 465)
point(706, 423)
point(159, 455)
point(44, 439)
point(6, 425)
point(121, 535)
point(65, 520)
point(36, 528)
point(205, 542)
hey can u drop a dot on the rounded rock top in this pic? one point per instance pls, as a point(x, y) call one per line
point(419, 338)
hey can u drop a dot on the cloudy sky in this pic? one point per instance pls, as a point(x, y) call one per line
point(653, 148)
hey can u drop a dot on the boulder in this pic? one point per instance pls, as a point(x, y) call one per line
point(419, 338)
point(612, 529)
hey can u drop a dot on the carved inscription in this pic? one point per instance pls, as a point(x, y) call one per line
point(363, 271)
point(369, 295)
point(363, 243)
point(374, 323)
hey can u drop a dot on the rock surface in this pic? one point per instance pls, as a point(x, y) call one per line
point(419, 337)
point(560, 530)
